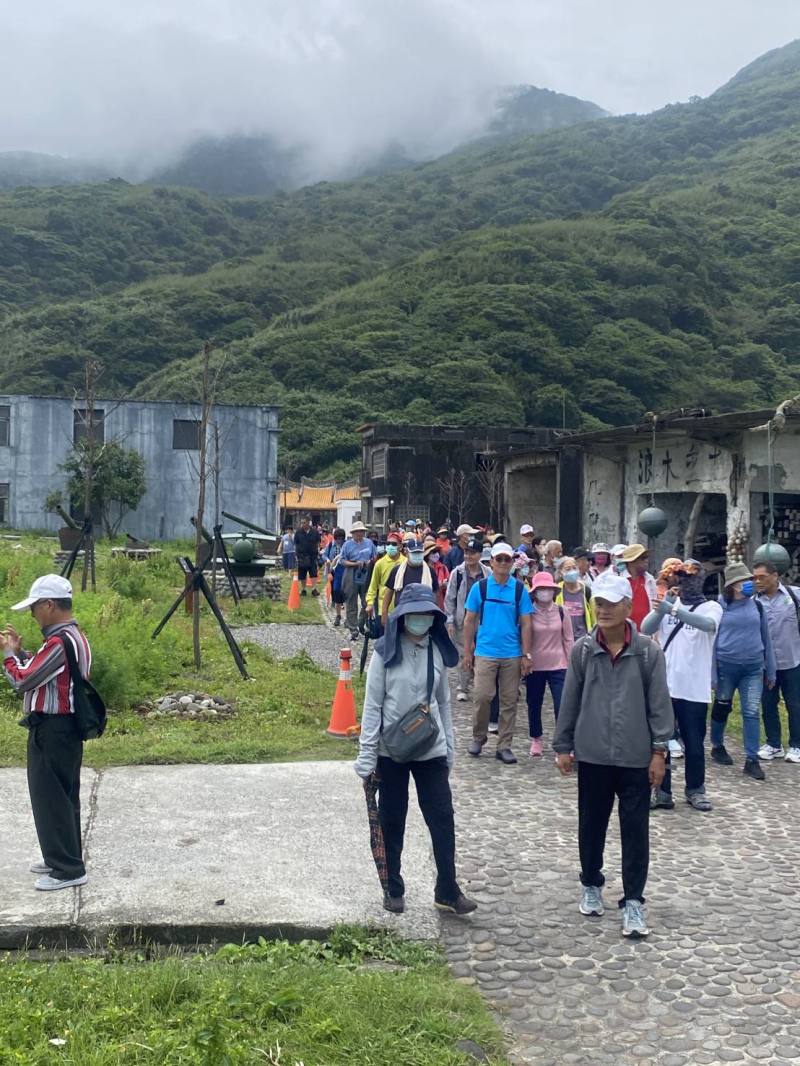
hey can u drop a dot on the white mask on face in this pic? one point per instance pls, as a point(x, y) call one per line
point(545, 595)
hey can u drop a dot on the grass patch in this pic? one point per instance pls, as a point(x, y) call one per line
point(359, 998)
point(282, 712)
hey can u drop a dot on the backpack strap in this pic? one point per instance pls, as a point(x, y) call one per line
point(676, 630)
point(483, 587)
point(795, 601)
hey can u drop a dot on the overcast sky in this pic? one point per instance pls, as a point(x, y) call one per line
point(121, 78)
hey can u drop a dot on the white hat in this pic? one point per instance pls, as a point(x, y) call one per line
point(464, 528)
point(618, 549)
point(358, 527)
point(502, 549)
point(612, 587)
point(49, 587)
point(525, 529)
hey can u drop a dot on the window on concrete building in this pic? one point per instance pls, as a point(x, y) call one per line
point(5, 426)
point(186, 435)
point(81, 430)
point(379, 462)
point(3, 503)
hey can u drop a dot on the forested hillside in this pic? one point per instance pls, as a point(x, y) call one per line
point(635, 263)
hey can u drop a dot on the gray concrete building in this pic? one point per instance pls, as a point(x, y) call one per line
point(37, 433)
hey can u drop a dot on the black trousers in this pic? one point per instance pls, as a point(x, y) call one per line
point(435, 802)
point(597, 787)
point(55, 752)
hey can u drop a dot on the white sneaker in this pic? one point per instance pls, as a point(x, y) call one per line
point(51, 884)
point(494, 727)
point(768, 753)
point(461, 696)
point(793, 755)
point(41, 868)
point(675, 749)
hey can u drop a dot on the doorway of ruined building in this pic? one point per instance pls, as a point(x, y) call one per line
point(532, 498)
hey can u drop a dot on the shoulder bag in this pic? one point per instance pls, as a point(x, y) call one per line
point(411, 736)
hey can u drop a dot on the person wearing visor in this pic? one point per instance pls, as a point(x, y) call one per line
point(55, 748)
point(600, 556)
point(408, 670)
point(497, 634)
point(413, 570)
point(744, 662)
point(615, 722)
point(685, 624)
point(459, 586)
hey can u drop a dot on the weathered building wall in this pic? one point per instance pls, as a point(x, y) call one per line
point(531, 494)
point(41, 434)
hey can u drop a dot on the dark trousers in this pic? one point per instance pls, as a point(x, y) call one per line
point(535, 686)
point(597, 787)
point(435, 802)
point(788, 685)
point(55, 752)
point(691, 718)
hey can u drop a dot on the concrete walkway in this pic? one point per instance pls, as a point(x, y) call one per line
point(187, 853)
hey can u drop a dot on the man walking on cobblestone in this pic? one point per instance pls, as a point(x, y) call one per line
point(781, 604)
point(459, 586)
point(615, 721)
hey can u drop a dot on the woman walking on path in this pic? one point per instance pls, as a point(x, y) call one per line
point(575, 596)
point(551, 647)
point(408, 673)
point(744, 662)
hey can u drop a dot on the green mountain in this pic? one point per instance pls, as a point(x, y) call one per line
point(634, 263)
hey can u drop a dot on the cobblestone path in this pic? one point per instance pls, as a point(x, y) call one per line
point(717, 981)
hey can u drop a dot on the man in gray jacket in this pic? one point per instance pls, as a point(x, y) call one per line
point(615, 721)
point(458, 588)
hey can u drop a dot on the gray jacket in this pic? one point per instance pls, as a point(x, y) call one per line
point(615, 715)
point(456, 596)
point(400, 688)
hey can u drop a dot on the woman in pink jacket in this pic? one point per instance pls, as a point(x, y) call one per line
point(552, 644)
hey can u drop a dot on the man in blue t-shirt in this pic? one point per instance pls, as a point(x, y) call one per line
point(498, 635)
point(357, 553)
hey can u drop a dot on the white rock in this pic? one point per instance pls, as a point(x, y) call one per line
point(185, 700)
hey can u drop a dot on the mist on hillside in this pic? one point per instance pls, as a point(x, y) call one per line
point(337, 81)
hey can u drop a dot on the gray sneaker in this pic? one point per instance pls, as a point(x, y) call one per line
point(633, 919)
point(591, 900)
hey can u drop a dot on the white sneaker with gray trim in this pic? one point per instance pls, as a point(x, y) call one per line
point(633, 919)
point(52, 884)
point(793, 755)
point(591, 900)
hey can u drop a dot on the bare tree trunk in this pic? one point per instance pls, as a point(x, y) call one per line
point(691, 529)
point(201, 502)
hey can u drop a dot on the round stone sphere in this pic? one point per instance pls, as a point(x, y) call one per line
point(775, 554)
point(652, 521)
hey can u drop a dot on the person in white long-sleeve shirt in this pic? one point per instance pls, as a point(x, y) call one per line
point(397, 682)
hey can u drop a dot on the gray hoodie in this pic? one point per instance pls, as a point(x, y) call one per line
point(400, 688)
point(458, 586)
point(615, 714)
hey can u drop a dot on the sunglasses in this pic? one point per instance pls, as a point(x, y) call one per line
point(502, 558)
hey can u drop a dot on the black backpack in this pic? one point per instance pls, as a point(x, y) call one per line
point(90, 710)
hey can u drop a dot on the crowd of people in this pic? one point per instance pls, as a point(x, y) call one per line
point(632, 660)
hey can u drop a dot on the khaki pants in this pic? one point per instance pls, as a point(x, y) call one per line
point(505, 674)
point(464, 676)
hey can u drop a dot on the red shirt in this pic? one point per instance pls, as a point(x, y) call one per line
point(641, 601)
point(601, 640)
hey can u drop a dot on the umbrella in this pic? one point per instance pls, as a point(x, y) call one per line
point(371, 784)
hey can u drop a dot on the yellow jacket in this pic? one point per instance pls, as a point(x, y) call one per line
point(383, 567)
point(588, 605)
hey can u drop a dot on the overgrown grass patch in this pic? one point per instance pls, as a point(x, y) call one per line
point(281, 713)
point(359, 998)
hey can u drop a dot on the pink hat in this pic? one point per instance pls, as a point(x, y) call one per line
point(543, 580)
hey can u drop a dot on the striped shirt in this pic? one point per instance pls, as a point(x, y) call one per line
point(43, 678)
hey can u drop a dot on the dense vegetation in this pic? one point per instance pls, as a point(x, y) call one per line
point(635, 263)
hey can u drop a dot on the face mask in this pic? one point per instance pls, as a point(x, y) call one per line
point(545, 595)
point(621, 566)
point(435, 557)
point(571, 575)
point(418, 624)
point(391, 551)
point(747, 588)
point(415, 558)
point(525, 570)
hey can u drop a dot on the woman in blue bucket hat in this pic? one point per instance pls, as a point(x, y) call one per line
point(407, 730)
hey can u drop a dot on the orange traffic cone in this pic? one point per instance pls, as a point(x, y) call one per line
point(293, 603)
point(343, 712)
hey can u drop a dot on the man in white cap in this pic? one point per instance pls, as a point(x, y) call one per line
point(55, 749)
point(615, 721)
point(497, 634)
point(455, 557)
point(526, 535)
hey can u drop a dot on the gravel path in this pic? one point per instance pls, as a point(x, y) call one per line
point(719, 978)
point(321, 643)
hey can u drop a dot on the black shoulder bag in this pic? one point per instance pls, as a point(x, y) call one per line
point(90, 710)
point(411, 736)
